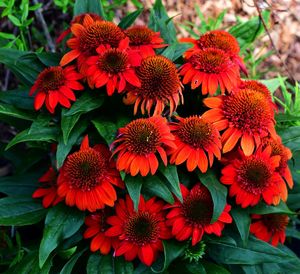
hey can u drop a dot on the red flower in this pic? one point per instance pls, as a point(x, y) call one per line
point(196, 140)
point(254, 177)
point(87, 176)
point(114, 67)
point(145, 40)
point(270, 227)
point(245, 115)
point(160, 85)
point(140, 232)
point(139, 141)
point(78, 19)
point(87, 37)
point(97, 226)
point(48, 190)
point(192, 217)
point(210, 68)
point(55, 85)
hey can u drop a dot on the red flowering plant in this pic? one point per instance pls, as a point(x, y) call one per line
point(139, 153)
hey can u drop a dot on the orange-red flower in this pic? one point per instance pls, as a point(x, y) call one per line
point(139, 141)
point(87, 176)
point(55, 85)
point(78, 19)
point(252, 178)
point(197, 141)
point(210, 68)
point(192, 217)
point(218, 39)
point(140, 232)
point(145, 40)
point(97, 226)
point(285, 153)
point(87, 37)
point(114, 67)
point(245, 115)
point(48, 189)
point(270, 227)
point(160, 85)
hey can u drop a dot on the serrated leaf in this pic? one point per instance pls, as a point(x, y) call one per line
point(134, 186)
point(242, 221)
point(20, 210)
point(61, 223)
point(129, 19)
point(217, 190)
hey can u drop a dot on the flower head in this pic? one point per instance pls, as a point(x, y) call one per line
point(270, 227)
point(140, 232)
point(96, 228)
point(160, 85)
point(87, 176)
point(245, 115)
point(192, 217)
point(210, 68)
point(114, 67)
point(197, 141)
point(145, 40)
point(138, 143)
point(48, 189)
point(55, 85)
point(252, 178)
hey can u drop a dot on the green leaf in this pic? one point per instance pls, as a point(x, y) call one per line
point(67, 124)
point(18, 98)
point(174, 51)
point(49, 58)
point(94, 264)
point(68, 267)
point(134, 186)
point(242, 221)
point(212, 268)
point(61, 223)
point(106, 129)
point(12, 111)
point(20, 211)
point(217, 190)
point(271, 84)
point(262, 208)
point(92, 6)
point(291, 137)
point(154, 186)
point(129, 19)
point(170, 173)
point(122, 267)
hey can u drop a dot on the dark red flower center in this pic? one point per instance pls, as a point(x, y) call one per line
point(113, 61)
point(210, 61)
point(159, 78)
point(142, 228)
point(51, 79)
point(275, 222)
point(198, 207)
point(139, 35)
point(195, 131)
point(84, 169)
point(254, 175)
point(248, 111)
point(100, 32)
point(142, 137)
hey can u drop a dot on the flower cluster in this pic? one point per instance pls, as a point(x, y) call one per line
point(236, 132)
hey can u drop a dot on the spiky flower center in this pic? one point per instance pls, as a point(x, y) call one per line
point(159, 78)
point(248, 111)
point(139, 35)
point(195, 131)
point(256, 86)
point(51, 79)
point(198, 207)
point(142, 137)
point(100, 32)
point(142, 228)
point(113, 61)
point(84, 169)
point(220, 40)
point(275, 222)
point(210, 61)
point(254, 175)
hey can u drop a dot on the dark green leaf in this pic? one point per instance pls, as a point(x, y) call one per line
point(12, 111)
point(67, 124)
point(217, 190)
point(68, 267)
point(242, 221)
point(122, 267)
point(61, 223)
point(291, 137)
point(134, 186)
point(20, 211)
point(18, 98)
point(49, 58)
point(92, 6)
point(129, 19)
point(212, 268)
point(262, 208)
point(94, 264)
point(106, 129)
point(174, 51)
